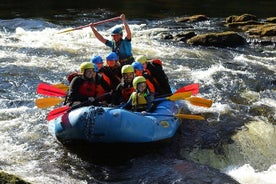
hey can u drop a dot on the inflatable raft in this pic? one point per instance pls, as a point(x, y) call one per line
point(114, 125)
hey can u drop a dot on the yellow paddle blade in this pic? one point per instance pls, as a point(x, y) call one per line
point(203, 102)
point(189, 116)
point(48, 102)
point(61, 86)
point(180, 96)
point(67, 30)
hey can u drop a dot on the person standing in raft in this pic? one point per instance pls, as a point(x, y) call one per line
point(141, 99)
point(87, 86)
point(121, 46)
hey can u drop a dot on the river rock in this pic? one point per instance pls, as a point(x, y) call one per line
point(194, 18)
point(263, 30)
point(197, 173)
point(222, 39)
point(271, 19)
point(241, 18)
point(184, 36)
point(8, 178)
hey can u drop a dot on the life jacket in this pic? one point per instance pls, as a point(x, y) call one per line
point(112, 76)
point(91, 88)
point(88, 88)
point(160, 79)
point(106, 78)
point(139, 101)
point(126, 91)
point(150, 86)
point(101, 86)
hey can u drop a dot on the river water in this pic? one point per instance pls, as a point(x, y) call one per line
point(240, 81)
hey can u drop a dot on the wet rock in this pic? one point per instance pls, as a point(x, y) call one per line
point(194, 18)
point(8, 178)
point(264, 110)
point(167, 36)
point(241, 18)
point(184, 36)
point(223, 39)
point(271, 20)
point(243, 25)
point(196, 173)
point(263, 30)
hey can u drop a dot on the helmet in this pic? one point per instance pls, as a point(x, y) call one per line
point(112, 56)
point(87, 65)
point(137, 65)
point(96, 59)
point(142, 59)
point(127, 69)
point(117, 30)
point(138, 80)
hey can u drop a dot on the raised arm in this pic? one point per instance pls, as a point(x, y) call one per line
point(97, 34)
point(128, 32)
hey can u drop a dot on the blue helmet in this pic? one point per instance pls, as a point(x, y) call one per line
point(137, 65)
point(112, 56)
point(117, 30)
point(97, 59)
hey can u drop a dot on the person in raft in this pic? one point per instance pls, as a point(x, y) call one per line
point(87, 86)
point(153, 70)
point(120, 45)
point(125, 88)
point(141, 100)
point(112, 70)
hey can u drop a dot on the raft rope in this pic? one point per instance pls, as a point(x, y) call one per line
point(91, 119)
point(90, 122)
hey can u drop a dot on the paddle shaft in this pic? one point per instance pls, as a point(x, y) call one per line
point(180, 116)
point(96, 23)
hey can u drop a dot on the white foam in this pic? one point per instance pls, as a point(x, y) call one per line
point(246, 174)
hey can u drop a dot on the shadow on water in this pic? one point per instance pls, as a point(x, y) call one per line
point(113, 153)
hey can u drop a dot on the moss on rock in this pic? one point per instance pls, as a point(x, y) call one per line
point(11, 179)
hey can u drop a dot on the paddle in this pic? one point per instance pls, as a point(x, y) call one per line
point(48, 102)
point(197, 101)
point(96, 23)
point(176, 96)
point(61, 110)
point(202, 102)
point(50, 90)
point(61, 86)
point(57, 112)
point(191, 87)
point(180, 116)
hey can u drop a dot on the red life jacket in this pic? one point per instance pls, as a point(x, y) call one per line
point(88, 88)
point(126, 92)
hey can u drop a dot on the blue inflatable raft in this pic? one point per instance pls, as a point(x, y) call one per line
point(114, 125)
